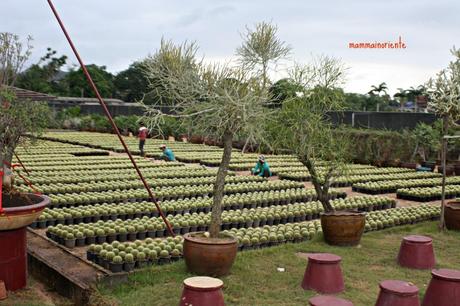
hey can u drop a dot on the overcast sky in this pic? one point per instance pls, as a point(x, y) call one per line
point(115, 33)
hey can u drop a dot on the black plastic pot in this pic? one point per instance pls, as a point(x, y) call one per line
point(129, 266)
point(116, 267)
point(79, 242)
point(101, 239)
point(90, 240)
point(122, 237)
point(69, 243)
point(163, 260)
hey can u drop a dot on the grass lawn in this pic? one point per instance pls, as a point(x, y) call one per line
point(256, 281)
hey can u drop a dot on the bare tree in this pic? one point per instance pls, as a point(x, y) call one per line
point(216, 100)
point(16, 117)
point(260, 48)
point(444, 93)
point(305, 129)
point(13, 55)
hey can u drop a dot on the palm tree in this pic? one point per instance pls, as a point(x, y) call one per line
point(376, 91)
point(401, 95)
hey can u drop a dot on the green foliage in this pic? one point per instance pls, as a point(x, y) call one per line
point(131, 84)
point(18, 118)
point(127, 123)
point(95, 122)
point(377, 146)
point(282, 90)
point(41, 77)
point(76, 85)
point(261, 47)
point(444, 90)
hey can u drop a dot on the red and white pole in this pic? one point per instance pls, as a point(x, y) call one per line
point(109, 116)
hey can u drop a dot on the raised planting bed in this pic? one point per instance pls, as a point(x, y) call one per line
point(161, 251)
point(130, 210)
point(427, 194)
point(393, 185)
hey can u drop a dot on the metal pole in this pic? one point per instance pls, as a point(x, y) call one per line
point(1, 190)
point(109, 116)
point(22, 165)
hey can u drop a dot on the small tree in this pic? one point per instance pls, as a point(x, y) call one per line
point(304, 128)
point(217, 101)
point(16, 117)
point(376, 93)
point(261, 48)
point(444, 94)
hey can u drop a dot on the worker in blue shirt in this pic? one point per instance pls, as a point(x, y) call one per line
point(168, 154)
point(262, 168)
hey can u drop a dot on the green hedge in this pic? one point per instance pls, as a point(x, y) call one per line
point(379, 147)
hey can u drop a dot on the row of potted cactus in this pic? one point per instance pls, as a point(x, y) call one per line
point(126, 256)
point(138, 228)
point(393, 185)
point(426, 194)
point(113, 211)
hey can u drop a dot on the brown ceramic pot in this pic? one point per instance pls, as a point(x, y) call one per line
point(343, 228)
point(452, 215)
point(409, 165)
point(209, 256)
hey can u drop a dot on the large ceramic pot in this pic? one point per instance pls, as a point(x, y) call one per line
point(409, 165)
point(343, 228)
point(18, 212)
point(452, 215)
point(209, 256)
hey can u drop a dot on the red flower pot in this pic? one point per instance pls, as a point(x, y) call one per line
point(325, 300)
point(444, 288)
point(323, 274)
point(202, 291)
point(397, 293)
point(15, 217)
point(416, 252)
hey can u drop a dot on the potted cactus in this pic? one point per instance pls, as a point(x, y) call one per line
point(116, 265)
point(164, 257)
point(129, 263)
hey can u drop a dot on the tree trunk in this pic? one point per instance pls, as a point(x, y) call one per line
point(8, 177)
point(219, 185)
point(322, 190)
point(442, 223)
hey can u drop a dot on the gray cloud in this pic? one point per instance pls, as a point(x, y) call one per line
point(118, 32)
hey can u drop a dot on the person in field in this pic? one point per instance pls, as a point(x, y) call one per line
point(168, 154)
point(262, 168)
point(142, 135)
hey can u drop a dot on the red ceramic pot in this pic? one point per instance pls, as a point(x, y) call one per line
point(325, 300)
point(444, 288)
point(397, 293)
point(323, 274)
point(202, 291)
point(15, 217)
point(416, 252)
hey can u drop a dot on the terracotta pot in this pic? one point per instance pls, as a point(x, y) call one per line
point(203, 291)
point(22, 215)
point(3, 293)
point(409, 165)
point(449, 170)
point(209, 256)
point(343, 228)
point(457, 169)
point(18, 213)
point(452, 215)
